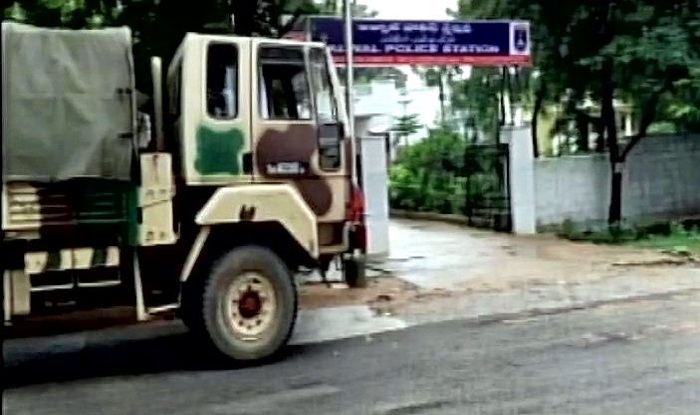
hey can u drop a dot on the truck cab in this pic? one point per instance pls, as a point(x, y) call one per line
point(245, 111)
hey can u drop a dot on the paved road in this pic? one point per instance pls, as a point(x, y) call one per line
point(635, 358)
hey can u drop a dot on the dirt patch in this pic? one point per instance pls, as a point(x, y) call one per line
point(472, 260)
point(383, 295)
point(549, 248)
point(533, 262)
point(320, 295)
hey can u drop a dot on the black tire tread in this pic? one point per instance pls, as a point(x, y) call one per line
point(354, 273)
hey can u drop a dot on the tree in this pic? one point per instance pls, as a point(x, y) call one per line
point(478, 98)
point(440, 77)
point(682, 109)
point(158, 26)
point(63, 13)
point(405, 126)
point(637, 51)
point(282, 15)
point(633, 61)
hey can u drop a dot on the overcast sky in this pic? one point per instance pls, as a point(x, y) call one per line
point(411, 9)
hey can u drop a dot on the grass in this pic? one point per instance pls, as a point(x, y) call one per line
point(683, 238)
point(674, 242)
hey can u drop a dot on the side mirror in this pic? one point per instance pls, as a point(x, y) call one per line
point(331, 136)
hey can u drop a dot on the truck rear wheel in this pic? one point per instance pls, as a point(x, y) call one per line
point(249, 304)
point(355, 272)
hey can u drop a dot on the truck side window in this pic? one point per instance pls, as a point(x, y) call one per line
point(284, 90)
point(329, 145)
point(222, 81)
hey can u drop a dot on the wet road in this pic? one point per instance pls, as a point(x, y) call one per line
point(635, 358)
point(445, 256)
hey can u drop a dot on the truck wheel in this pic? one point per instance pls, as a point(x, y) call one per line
point(249, 304)
point(354, 273)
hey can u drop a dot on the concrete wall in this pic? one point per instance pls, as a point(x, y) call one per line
point(661, 181)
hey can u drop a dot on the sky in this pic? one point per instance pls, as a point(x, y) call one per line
point(411, 9)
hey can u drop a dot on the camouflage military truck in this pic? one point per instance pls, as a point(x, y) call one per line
point(245, 180)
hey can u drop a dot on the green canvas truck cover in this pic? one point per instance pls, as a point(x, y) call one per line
point(68, 103)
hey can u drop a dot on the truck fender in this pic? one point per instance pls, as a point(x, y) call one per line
point(280, 203)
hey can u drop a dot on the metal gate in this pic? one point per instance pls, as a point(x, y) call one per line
point(487, 194)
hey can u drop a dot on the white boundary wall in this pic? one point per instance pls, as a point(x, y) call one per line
point(661, 181)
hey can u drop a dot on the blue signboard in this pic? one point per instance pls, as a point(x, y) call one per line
point(410, 42)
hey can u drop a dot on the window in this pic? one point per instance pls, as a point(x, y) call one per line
point(321, 78)
point(330, 137)
point(173, 93)
point(284, 84)
point(222, 81)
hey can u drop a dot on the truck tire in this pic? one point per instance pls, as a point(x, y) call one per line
point(249, 304)
point(354, 273)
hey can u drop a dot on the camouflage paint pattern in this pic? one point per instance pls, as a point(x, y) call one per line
point(219, 151)
point(84, 258)
point(326, 193)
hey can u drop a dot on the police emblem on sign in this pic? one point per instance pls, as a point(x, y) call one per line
point(520, 39)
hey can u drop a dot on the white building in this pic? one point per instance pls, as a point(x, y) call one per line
point(386, 102)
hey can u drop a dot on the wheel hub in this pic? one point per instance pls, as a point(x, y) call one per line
point(252, 304)
point(249, 304)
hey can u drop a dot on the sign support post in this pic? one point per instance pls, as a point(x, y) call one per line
point(350, 77)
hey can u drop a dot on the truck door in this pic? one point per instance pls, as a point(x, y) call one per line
point(297, 135)
point(215, 110)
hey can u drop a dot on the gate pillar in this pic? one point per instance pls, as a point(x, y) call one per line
point(521, 177)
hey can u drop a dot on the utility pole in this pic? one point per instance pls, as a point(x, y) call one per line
point(350, 78)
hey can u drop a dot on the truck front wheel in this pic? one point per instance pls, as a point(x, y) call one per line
point(249, 304)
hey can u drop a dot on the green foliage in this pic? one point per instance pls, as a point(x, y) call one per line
point(653, 48)
point(407, 125)
point(682, 240)
point(622, 232)
point(64, 13)
point(442, 174)
point(478, 98)
point(675, 237)
point(426, 178)
point(158, 26)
